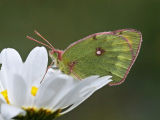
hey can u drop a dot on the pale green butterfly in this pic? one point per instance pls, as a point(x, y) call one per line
point(106, 53)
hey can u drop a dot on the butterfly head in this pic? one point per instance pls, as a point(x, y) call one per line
point(56, 54)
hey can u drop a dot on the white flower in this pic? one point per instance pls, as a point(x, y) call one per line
point(23, 96)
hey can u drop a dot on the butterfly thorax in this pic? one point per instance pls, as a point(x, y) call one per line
point(58, 62)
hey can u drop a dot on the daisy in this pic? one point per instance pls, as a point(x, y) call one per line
point(24, 97)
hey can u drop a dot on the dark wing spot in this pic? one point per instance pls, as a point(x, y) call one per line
point(100, 51)
point(110, 73)
point(120, 33)
point(71, 66)
point(94, 37)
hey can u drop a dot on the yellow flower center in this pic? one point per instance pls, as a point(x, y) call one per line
point(34, 90)
point(5, 95)
point(38, 114)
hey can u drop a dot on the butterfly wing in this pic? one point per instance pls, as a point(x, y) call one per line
point(105, 53)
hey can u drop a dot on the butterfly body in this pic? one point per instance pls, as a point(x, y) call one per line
point(105, 53)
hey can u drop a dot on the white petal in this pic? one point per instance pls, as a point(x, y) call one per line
point(2, 100)
point(35, 65)
point(11, 60)
point(17, 91)
point(8, 111)
point(3, 80)
point(1, 117)
point(53, 88)
point(82, 91)
point(11, 64)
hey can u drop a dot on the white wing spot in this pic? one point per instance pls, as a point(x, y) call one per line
point(99, 52)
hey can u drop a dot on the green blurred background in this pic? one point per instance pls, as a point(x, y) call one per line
point(65, 21)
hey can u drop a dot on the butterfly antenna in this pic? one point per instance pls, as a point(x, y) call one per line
point(30, 38)
point(47, 71)
point(37, 33)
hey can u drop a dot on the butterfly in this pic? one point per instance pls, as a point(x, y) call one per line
point(105, 53)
